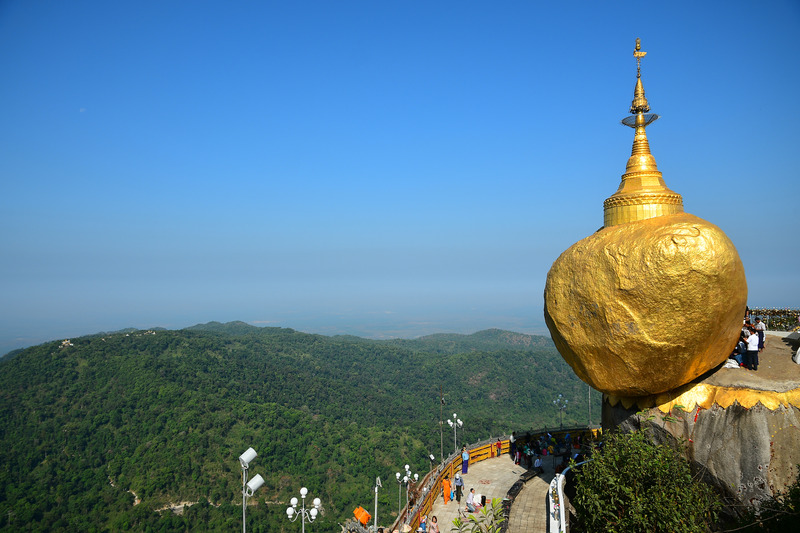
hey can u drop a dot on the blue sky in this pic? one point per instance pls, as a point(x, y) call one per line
point(373, 167)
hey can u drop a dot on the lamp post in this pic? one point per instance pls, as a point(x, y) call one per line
point(561, 404)
point(377, 486)
point(455, 423)
point(311, 514)
point(441, 423)
point(407, 479)
point(248, 488)
point(399, 484)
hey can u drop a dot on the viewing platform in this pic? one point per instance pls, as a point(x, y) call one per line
point(522, 491)
point(493, 478)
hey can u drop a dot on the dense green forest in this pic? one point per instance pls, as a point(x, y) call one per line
point(162, 416)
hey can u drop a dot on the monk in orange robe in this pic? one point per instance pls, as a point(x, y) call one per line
point(446, 489)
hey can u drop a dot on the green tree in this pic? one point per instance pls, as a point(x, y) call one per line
point(633, 485)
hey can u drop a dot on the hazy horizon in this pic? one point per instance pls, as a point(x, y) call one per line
point(386, 168)
point(378, 326)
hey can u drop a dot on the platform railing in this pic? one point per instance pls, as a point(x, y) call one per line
point(431, 485)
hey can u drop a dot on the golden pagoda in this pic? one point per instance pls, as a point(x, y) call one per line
point(653, 299)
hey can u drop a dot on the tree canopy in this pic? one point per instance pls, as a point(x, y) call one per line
point(88, 427)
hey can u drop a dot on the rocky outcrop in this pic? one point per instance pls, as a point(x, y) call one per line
point(749, 455)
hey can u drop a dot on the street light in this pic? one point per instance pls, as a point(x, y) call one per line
point(561, 404)
point(293, 513)
point(248, 488)
point(455, 423)
point(377, 486)
point(399, 484)
point(407, 480)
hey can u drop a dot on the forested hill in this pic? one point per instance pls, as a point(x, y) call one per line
point(486, 340)
point(164, 415)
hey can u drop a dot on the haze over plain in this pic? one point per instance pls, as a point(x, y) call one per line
point(375, 168)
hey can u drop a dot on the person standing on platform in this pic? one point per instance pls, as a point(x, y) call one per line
point(761, 329)
point(464, 460)
point(751, 359)
point(512, 446)
point(433, 527)
point(499, 446)
point(459, 483)
point(446, 490)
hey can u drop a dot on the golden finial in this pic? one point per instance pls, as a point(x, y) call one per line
point(642, 193)
point(638, 54)
point(639, 104)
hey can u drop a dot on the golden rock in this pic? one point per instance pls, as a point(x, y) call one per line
point(656, 297)
point(647, 306)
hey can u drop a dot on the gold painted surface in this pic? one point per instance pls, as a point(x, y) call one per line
point(704, 395)
point(642, 308)
point(654, 299)
point(642, 192)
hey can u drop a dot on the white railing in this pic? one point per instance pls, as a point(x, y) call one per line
point(556, 505)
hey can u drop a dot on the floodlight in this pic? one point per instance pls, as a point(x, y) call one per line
point(254, 484)
point(247, 456)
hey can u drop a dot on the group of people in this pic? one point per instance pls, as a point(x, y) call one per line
point(528, 450)
point(751, 342)
point(455, 489)
point(429, 527)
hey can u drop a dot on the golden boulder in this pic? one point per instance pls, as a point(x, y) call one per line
point(644, 307)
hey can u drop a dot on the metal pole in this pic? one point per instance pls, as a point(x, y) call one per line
point(375, 521)
point(406, 518)
point(441, 424)
point(244, 498)
point(398, 499)
point(303, 518)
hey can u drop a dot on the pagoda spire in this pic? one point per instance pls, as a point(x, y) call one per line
point(642, 193)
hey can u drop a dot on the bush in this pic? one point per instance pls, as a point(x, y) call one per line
point(488, 520)
point(633, 485)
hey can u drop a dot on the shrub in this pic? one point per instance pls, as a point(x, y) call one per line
point(633, 485)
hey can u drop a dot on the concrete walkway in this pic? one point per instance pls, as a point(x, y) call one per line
point(492, 478)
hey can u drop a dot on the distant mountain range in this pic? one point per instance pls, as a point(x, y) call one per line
point(162, 415)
